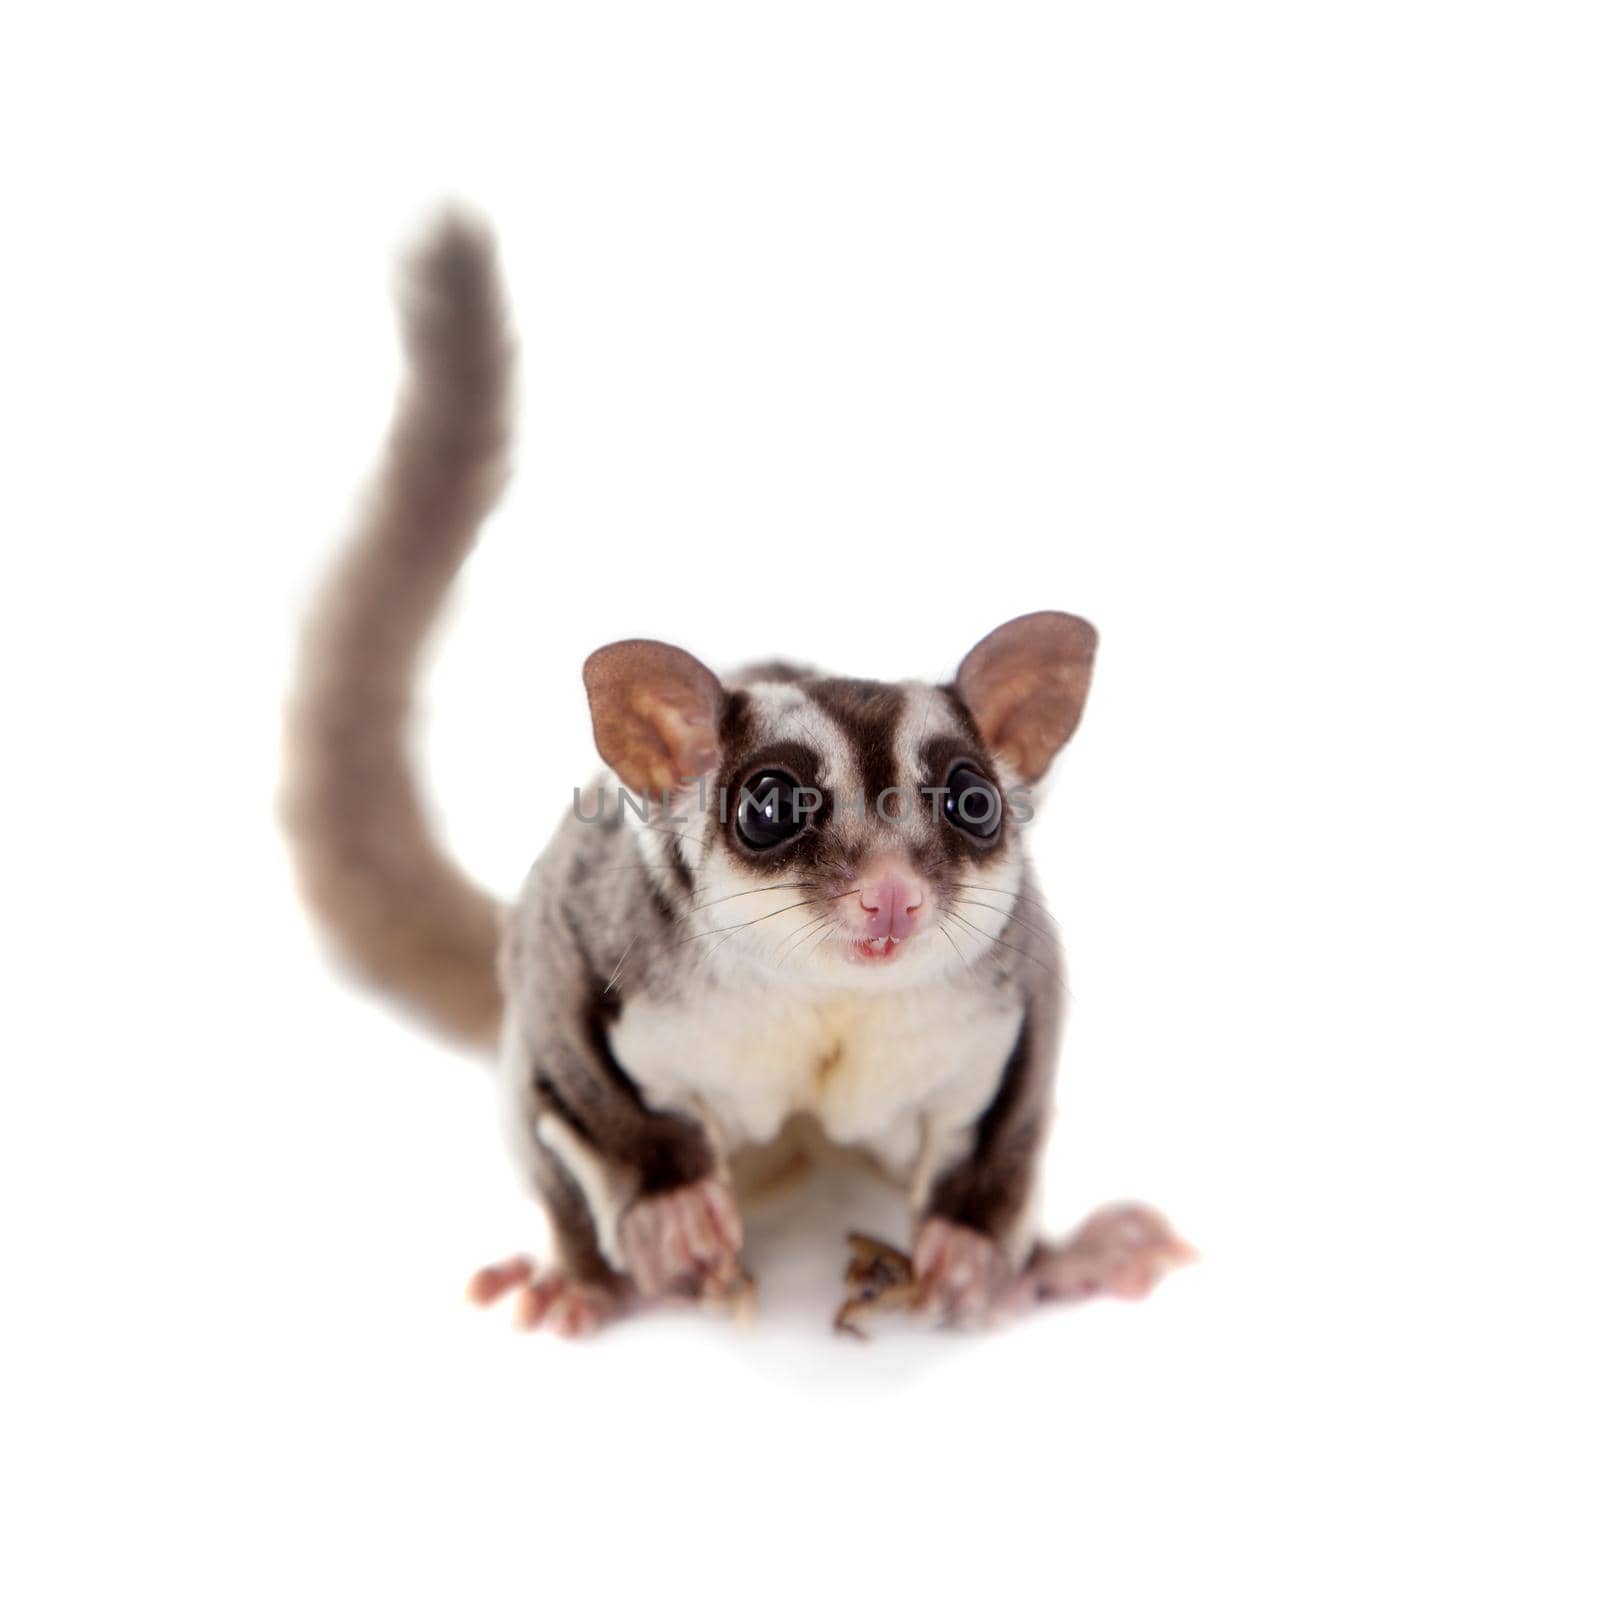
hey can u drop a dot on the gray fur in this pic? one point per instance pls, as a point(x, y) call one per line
point(605, 931)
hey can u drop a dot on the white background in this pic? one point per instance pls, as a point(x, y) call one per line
point(1265, 336)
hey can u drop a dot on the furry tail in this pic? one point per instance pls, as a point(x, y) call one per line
point(398, 910)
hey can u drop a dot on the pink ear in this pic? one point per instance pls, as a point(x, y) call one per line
point(656, 711)
point(1025, 685)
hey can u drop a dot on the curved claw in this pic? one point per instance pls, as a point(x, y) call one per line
point(882, 1280)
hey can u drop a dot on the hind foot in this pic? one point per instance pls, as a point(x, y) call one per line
point(551, 1299)
point(1122, 1250)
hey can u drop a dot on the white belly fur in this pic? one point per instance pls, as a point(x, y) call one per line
point(900, 1074)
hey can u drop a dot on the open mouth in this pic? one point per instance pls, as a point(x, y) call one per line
point(874, 949)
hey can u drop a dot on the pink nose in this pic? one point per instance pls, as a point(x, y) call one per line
point(891, 901)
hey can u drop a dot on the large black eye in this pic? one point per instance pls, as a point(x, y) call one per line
point(972, 804)
point(771, 810)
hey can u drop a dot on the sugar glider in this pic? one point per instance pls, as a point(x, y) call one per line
point(795, 900)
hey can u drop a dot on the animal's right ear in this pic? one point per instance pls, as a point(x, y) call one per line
point(656, 712)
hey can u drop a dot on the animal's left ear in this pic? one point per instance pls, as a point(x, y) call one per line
point(1025, 685)
point(656, 712)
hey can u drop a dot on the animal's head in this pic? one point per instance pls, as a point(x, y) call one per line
point(858, 831)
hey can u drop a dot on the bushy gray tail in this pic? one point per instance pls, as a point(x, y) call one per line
point(398, 910)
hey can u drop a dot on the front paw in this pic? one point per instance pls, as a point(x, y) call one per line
point(960, 1273)
point(685, 1241)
